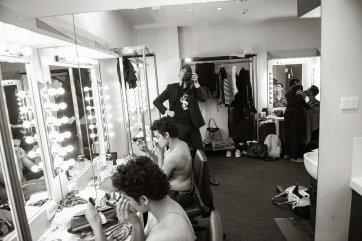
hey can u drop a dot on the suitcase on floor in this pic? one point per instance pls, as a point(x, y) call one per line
point(265, 129)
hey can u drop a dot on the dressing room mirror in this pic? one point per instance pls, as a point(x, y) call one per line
point(281, 71)
point(16, 85)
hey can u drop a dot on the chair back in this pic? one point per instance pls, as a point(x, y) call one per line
point(201, 179)
point(214, 227)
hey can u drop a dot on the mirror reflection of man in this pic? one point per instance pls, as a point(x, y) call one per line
point(279, 98)
point(67, 112)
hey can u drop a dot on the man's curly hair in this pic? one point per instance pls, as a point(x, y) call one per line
point(141, 177)
point(165, 124)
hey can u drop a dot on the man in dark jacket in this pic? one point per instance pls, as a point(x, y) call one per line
point(184, 108)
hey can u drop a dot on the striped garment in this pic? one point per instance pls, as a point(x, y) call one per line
point(314, 103)
point(280, 103)
point(227, 92)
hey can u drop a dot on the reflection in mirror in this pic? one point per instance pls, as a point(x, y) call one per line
point(23, 122)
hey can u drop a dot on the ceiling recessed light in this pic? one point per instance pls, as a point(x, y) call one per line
point(191, 10)
point(219, 9)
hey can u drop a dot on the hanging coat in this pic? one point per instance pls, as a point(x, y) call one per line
point(128, 72)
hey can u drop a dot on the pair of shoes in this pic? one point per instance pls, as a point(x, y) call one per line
point(296, 160)
point(212, 181)
point(229, 153)
point(237, 153)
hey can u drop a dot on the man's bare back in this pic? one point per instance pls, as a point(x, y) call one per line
point(178, 167)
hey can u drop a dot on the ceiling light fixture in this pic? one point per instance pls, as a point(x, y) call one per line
point(191, 10)
point(219, 9)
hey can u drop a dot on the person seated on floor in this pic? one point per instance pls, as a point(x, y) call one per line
point(177, 163)
point(144, 188)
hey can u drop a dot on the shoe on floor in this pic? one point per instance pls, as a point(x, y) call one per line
point(228, 153)
point(296, 160)
point(212, 181)
point(237, 153)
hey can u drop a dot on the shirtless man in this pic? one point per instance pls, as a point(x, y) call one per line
point(145, 187)
point(177, 164)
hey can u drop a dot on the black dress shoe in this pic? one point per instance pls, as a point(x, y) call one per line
point(212, 181)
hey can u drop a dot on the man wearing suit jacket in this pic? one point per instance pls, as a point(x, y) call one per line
point(184, 108)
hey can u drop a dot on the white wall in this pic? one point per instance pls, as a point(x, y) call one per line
point(264, 36)
point(164, 43)
point(340, 76)
point(109, 27)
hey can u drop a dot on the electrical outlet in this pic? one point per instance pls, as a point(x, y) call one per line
point(349, 103)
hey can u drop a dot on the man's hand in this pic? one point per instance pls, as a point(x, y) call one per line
point(125, 213)
point(93, 217)
point(170, 113)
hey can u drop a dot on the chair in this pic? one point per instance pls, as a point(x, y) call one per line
point(214, 227)
point(203, 199)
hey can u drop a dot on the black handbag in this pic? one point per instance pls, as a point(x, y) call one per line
point(257, 150)
point(212, 133)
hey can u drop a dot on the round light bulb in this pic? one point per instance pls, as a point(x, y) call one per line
point(52, 91)
point(35, 168)
point(21, 94)
point(86, 89)
point(67, 134)
point(88, 108)
point(108, 107)
point(23, 109)
point(110, 125)
point(70, 148)
point(57, 122)
point(54, 107)
point(90, 117)
point(64, 120)
point(111, 134)
point(91, 126)
point(60, 91)
point(107, 97)
point(71, 162)
point(92, 135)
point(31, 154)
point(27, 51)
point(26, 124)
point(29, 139)
point(62, 106)
point(106, 87)
point(64, 166)
point(87, 98)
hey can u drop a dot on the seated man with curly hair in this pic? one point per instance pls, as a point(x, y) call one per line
point(145, 187)
point(177, 164)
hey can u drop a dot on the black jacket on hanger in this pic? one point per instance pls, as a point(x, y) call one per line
point(129, 73)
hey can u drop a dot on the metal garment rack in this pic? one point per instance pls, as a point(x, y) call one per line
point(250, 58)
point(136, 52)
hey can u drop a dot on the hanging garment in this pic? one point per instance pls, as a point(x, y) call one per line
point(241, 131)
point(227, 92)
point(129, 73)
point(233, 80)
point(222, 76)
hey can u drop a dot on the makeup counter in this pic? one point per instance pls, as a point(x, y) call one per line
point(68, 118)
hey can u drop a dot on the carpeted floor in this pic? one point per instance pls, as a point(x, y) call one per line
point(245, 191)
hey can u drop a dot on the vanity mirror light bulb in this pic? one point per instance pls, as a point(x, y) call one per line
point(106, 87)
point(60, 137)
point(62, 106)
point(29, 140)
point(91, 126)
point(90, 117)
point(60, 91)
point(89, 107)
point(92, 135)
point(70, 148)
point(67, 134)
point(64, 119)
point(52, 91)
point(57, 122)
point(107, 97)
point(54, 107)
point(111, 134)
point(86, 89)
point(88, 98)
point(31, 154)
point(22, 94)
point(26, 124)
